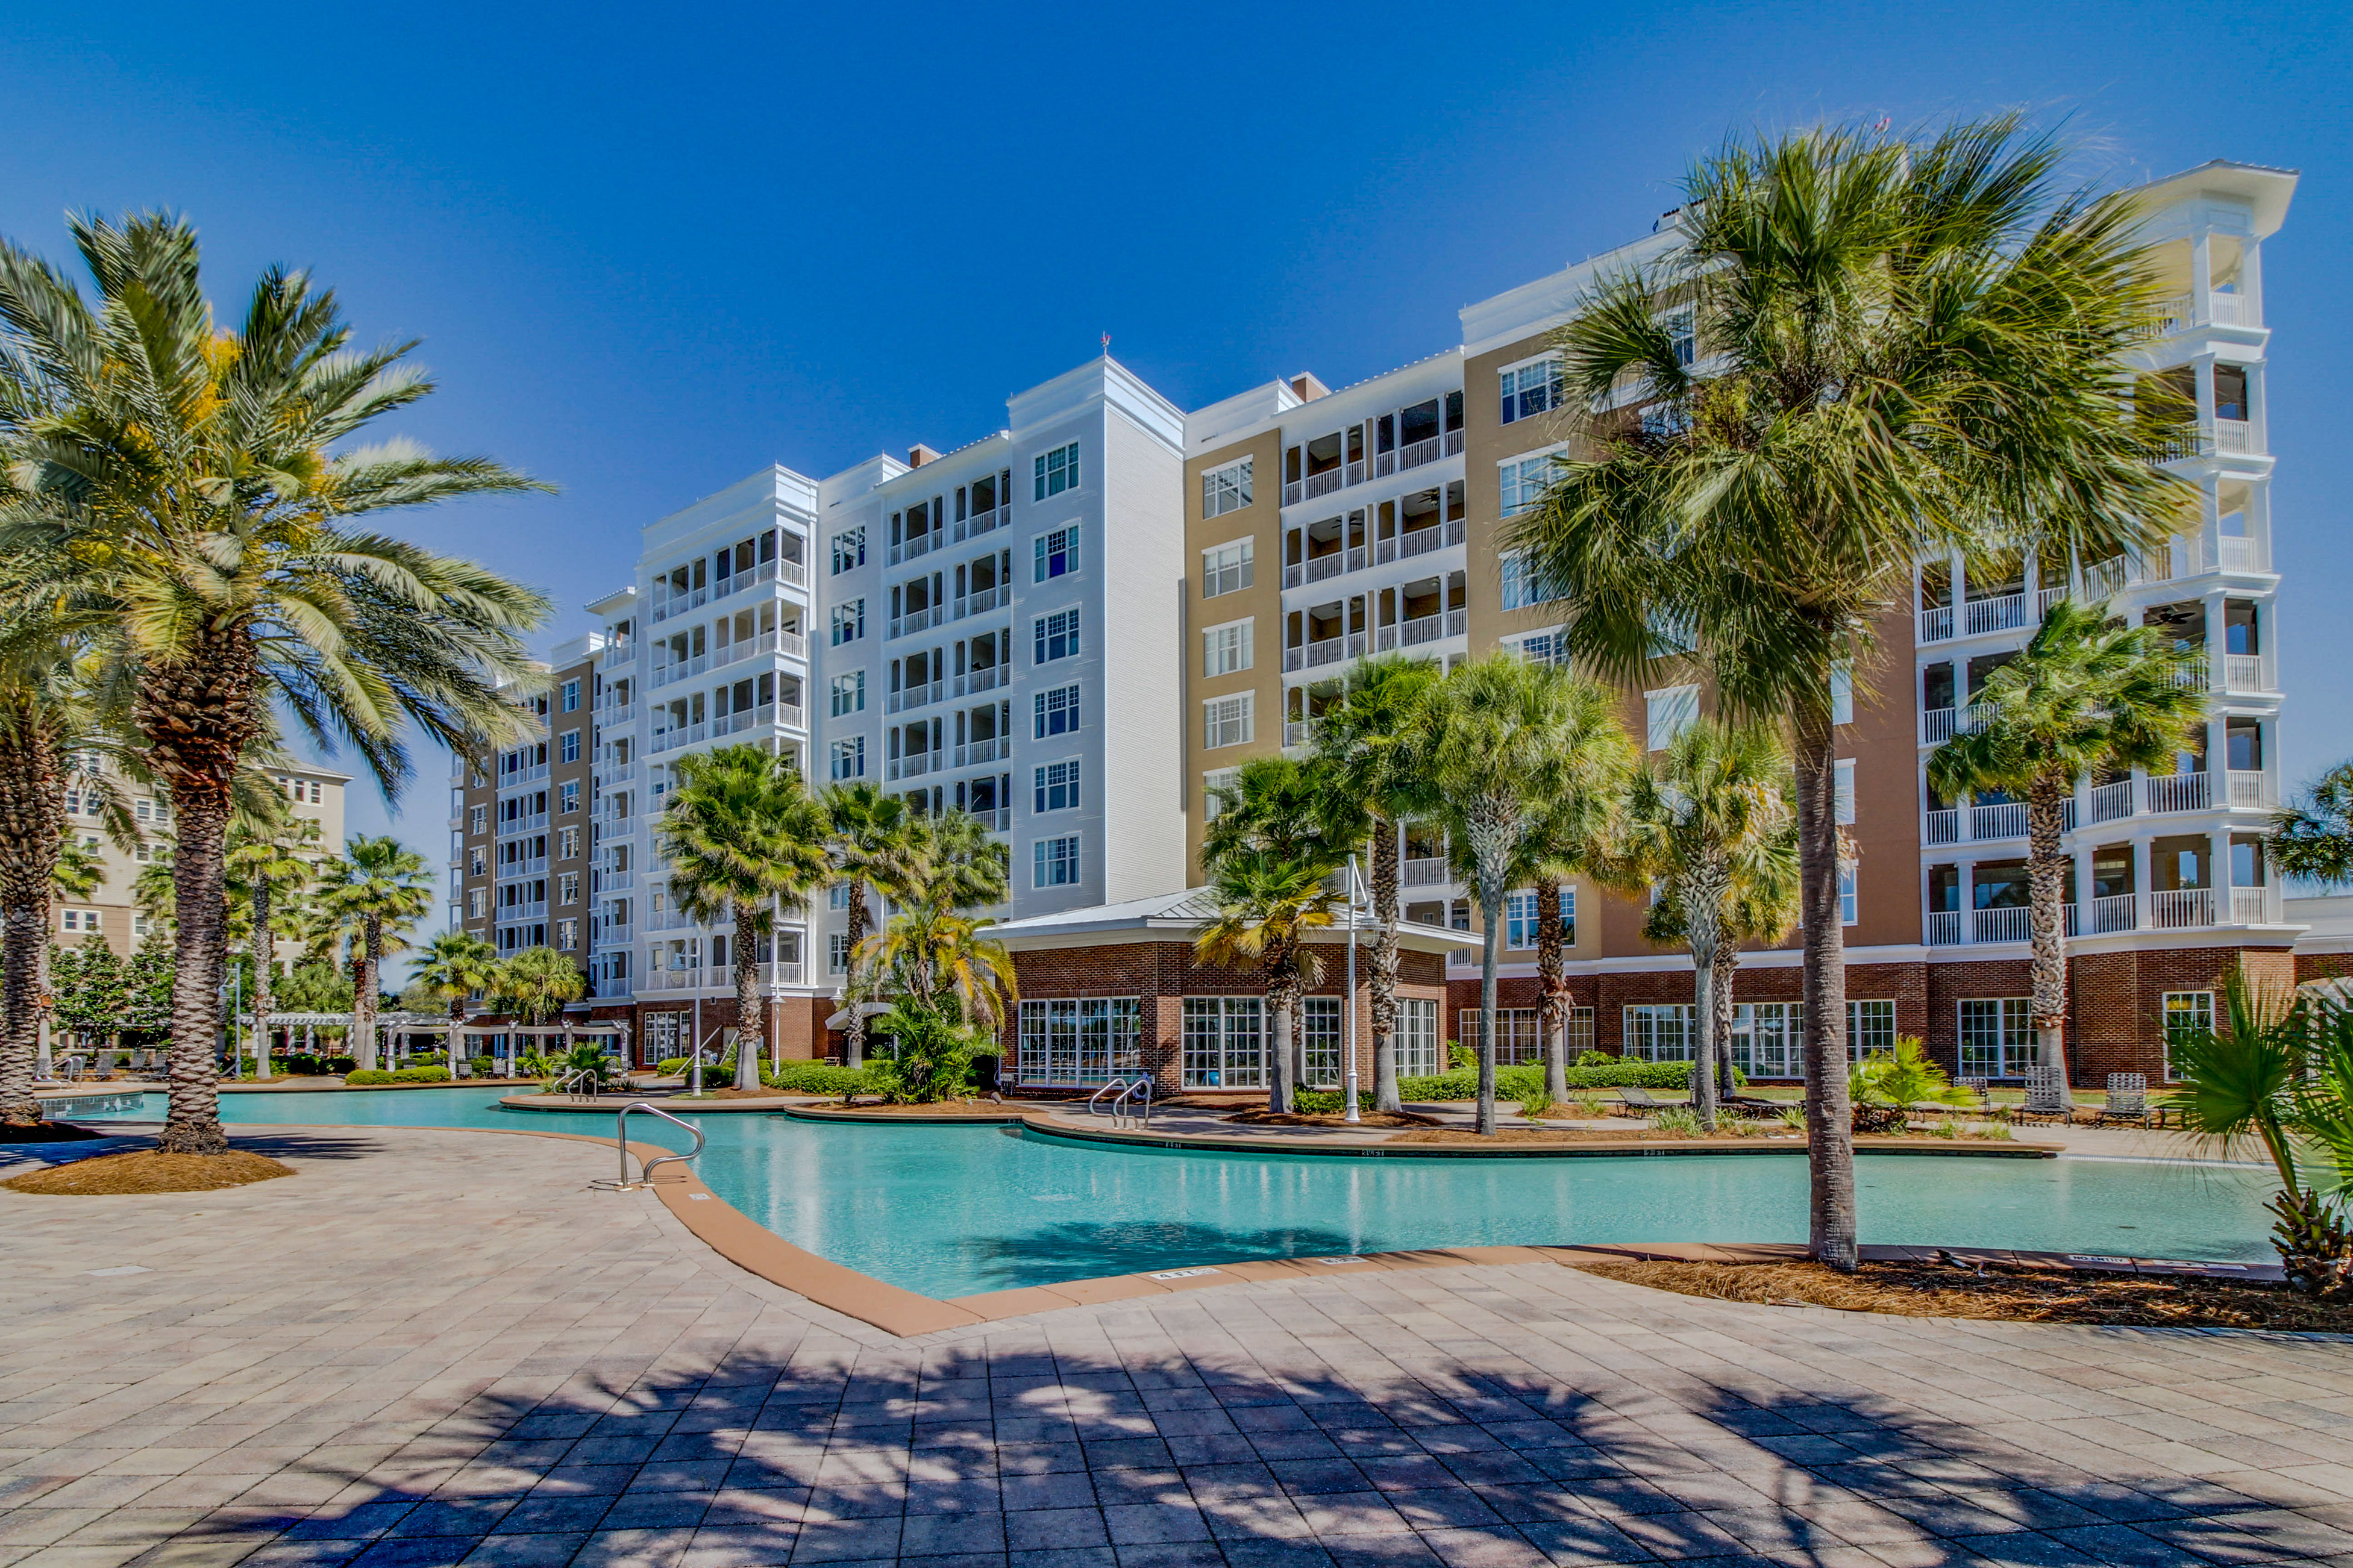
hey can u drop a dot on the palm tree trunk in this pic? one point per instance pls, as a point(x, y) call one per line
point(1552, 985)
point(2047, 869)
point(1703, 897)
point(32, 826)
point(363, 993)
point(1829, 1118)
point(751, 1010)
point(192, 1126)
point(1491, 914)
point(1278, 1045)
point(853, 1032)
point(1727, 966)
point(265, 1001)
point(1384, 967)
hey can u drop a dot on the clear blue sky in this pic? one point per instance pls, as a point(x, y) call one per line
point(651, 250)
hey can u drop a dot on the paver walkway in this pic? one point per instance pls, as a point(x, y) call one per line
point(435, 1347)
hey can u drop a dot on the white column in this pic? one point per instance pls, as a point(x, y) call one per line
point(2251, 277)
point(2144, 883)
point(2219, 877)
point(2217, 640)
point(2083, 869)
point(1968, 879)
point(2201, 275)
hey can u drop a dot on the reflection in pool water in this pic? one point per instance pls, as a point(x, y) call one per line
point(949, 1210)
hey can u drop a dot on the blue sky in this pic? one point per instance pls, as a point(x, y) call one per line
point(651, 250)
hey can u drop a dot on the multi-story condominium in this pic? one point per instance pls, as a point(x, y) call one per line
point(990, 629)
point(1322, 527)
point(112, 910)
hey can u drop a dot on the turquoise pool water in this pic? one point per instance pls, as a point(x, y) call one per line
point(949, 1210)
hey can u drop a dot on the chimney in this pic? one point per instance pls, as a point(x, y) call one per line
point(1308, 388)
point(919, 454)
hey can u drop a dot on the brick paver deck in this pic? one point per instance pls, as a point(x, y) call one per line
point(432, 1348)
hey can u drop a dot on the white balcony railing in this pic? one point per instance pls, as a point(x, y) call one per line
point(1999, 925)
point(1935, 726)
point(2181, 908)
point(1331, 650)
point(1942, 827)
point(1426, 871)
point(1291, 493)
point(2006, 613)
point(672, 739)
point(678, 669)
point(1937, 624)
point(917, 696)
point(1455, 443)
point(1458, 623)
point(1414, 454)
point(920, 545)
point(2245, 672)
point(983, 602)
point(2111, 802)
point(2119, 911)
point(918, 620)
point(615, 773)
point(918, 765)
point(618, 714)
point(2007, 820)
point(2255, 906)
point(1945, 927)
point(2252, 789)
point(2180, 792)
point(972, 753)
point(1322, 484)
point(1421, 629)
point(977, 680)
point(981, 522)
point(1294, 732)
point(1421, 541)
point(1325, 566)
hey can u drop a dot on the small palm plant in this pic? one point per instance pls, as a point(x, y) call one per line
point(934, 1052)
point(1267, 904)
point(1886, 1084)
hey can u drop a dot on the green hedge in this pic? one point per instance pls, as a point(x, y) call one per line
point(302, 1063)
point(1524, 1081)
point(818, 1077)
point(366, 1076)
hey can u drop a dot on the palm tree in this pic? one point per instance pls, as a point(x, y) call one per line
point(2084, 696)
point(265, 855)
point(1866, 351)
point(869, 843)
point(1507, 746)
point(743, 839)
point(535, 985)
point(374, 892)
point(1358, 738)
point(1575, 835)
point(455, 966)
point(930, 953)
point(953, 862)
point(1710, 812)
point(2312, 837)
point(1267, 902)
point(210, 514)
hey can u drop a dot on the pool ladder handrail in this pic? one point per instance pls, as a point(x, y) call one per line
point(569, 1084)
point(1137, 1089)
point(646, 1171)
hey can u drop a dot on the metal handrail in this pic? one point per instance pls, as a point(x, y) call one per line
point(646, 1171)
point(1137, 1089)
point(1123, 1085)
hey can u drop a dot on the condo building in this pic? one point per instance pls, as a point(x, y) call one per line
point(1078, 627)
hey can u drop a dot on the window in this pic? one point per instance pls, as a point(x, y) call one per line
point(1682, 327)
point(1846, 896)
point(1080, 1040)
point(1224, 1042)
point(850, 693)
point(1769, 1038)
point(567, 936)
point(1669, 714)
point(567, 746)
point(1998, 1036)
point(1227, 721)
point(1217, 786)
point(1521, 924)
point(1058, 470)
point(1524, 481)
point(1519, 1033)
point(1226, 489)
point(837, 953)
point(1058, 787)
point(1226, 568)
point(1417, 1037)
point(567, 887)
point(1055, 636)
point(1225, 650)
point(567, 843)
point(848, 758)
point(1842, 794)
point(1531, 389)
point(849, 622)
point(1054, 862)
point(1842, 694)
point(477, 862)
point(572, 697)
point(1658, 1032)
point(848, 550)
point(567, 796)
point(1324, 1037)
point(1545, 647)
point(2185, 1013)
point(477, 903)
point(1057, 711)
point(481, 819)
point(1522, 585)
point(80, 919)
point(1057, 553)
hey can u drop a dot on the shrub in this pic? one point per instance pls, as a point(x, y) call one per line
point(820, 1078)
point(674, 1067)
point(934, 1053)
point(486, 1067)
point(367, 1076)
point(1675, 1121)
point(1459, 1056)
point(1536, 1105)
point(1591, 1059)
point(1327, 1102)
point(1526, 1079)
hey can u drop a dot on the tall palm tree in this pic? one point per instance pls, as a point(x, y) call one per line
point(455, 966)
point(212, 514)
point(1359, 738)
point(1268, 900)
point(2083, 696)
point(1507, 746)
point(265, 855)
point(2312, 837)
point(535, 985)
point(1896, 348)
point(745, 838)
point(871, 844)
point(375, 891)
point(1710, 812)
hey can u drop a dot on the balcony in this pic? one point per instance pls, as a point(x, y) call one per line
point(915, 548)
point(981, 522)
point(507, 915)
point(937, 616)
point(1294, 732)
point(979, 680)
point(1415, 454)
point(988, 599)
point(516, 777)
point(606, 881)
point(531, 824)
point(1942, 827)
point(670, 740)
point(2182, 908)
point(2250, 789)
point(997, 821)
point(1425, 871)
point(618, 714)
point(2111, 802)
point(2215, 438)
point(920, 696)
point(616, 773)
point(1999, 925)
point(786, 713)
point(1322, 484)
point(2223, 310)
point(664, 674)
point(2247, 674)
point(678, 603)
point(917, 765)
point(792, 573)
point(973, 753)
point(2179, 792)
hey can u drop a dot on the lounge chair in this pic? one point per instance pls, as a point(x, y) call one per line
point(2127, 1098)
point(1753, 1105)
point(2045, 1096)
point(1642, 1101)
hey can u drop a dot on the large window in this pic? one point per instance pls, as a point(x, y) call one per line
point(1057, 553)
point(2185, 1013)
point(1227, 721)
point(1217, 791)
point(1057, 711)
point(1226, 568)
point(1083, 1040)
point(1521, 925)
point(1058, 470)
point(849, 758)
point(1225, 1042)
point(1669, 713)
point(1226, 649)
point(1658, 1032)
point(1998, 1036)
point(1055, 636)
point(1058, 787)
point(1226, 489)
point(1769, 1038)
point(1416, 1041)
point(1531, 389)
point(1325, 1037)
point(1054, 862)
point(849, 622)
point(1523, 587)
point(850, 693)
point(572, 697)
point(1524, 481)
point(1519, 1033)
point(567, 746)
point(848, 550)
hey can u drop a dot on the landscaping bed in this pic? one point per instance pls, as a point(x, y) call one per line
point(149, 1171)
point(2026, 1295)
point(1262, 1116)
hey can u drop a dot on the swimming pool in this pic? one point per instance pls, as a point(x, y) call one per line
point(950, 1211)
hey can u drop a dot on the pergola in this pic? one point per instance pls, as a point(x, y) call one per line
point(399, 1026)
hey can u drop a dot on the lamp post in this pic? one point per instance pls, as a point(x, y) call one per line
point(1355, 894)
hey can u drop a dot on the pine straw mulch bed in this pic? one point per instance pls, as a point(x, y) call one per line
point(1262, 1116)
point(46, 1132)
point(1565, 1135)
point(150, 1171)
point(2026, 1295)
